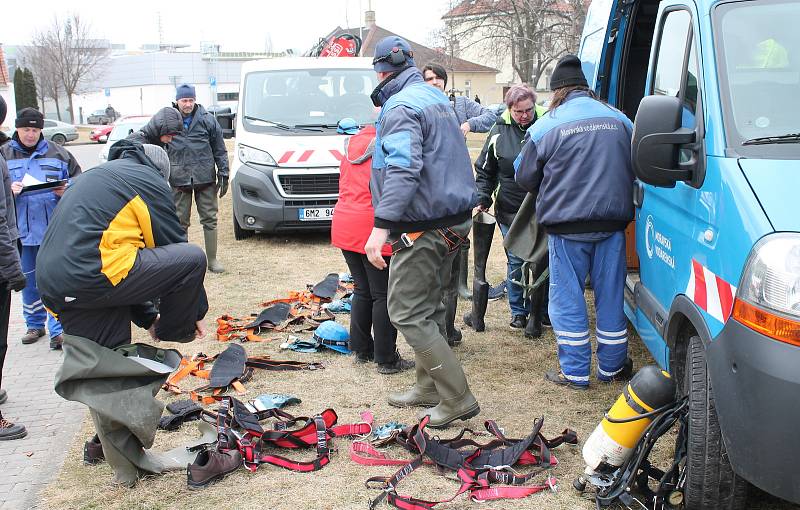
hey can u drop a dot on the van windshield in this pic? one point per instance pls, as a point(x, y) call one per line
point(759, 45)
point(314, 98)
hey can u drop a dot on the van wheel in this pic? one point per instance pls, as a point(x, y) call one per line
point(240, 233)
point(710, 482)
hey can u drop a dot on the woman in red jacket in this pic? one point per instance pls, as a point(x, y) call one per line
point(353, 219)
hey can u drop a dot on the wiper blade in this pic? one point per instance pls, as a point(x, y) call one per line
point(265, 121)
point(787, 138)
point(311, 126)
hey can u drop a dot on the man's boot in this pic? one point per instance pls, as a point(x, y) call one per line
point(463, 270)
point(422, 394)
point(482, 234)
point(9, 431)
point(210, 237)
point(534, 327)
point(456, 400)
point(453, 334)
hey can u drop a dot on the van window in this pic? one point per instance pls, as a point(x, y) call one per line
point(758, 55)
point(671, 54)
point(310, 97)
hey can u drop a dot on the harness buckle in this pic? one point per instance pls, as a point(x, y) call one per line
point(406, 240)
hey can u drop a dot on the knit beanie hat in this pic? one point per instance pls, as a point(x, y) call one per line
point(29, 117)
point(185, 91)
point(158, 156)
point(567, 73)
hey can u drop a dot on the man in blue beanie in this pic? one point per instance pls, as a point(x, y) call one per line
point(423, 192)
point(193, 154)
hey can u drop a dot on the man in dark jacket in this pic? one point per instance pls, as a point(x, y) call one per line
point(160, 129)
point(32, 160)
point(11, 276)
point(127, 249)
point(577, 158)
point(194, 154)
point(423, 193)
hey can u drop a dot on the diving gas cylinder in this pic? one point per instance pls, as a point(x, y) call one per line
point(611, 443)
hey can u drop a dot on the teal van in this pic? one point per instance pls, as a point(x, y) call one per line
point(714, 88)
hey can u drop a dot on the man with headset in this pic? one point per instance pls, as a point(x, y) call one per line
point(423, 192)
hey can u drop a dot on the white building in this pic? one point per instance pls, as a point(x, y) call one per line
point(141, 84)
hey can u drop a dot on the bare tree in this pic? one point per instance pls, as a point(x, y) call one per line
point(76, 55)
point(533, 33)
point(40, 59)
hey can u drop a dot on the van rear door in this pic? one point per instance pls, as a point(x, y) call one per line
point(602, 41)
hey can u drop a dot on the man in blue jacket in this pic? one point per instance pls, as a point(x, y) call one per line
point(32, 159)
point(578, 159)
point(423, 193)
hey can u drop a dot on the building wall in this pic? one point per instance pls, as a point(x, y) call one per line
point(475, 48)
point(146, 99)
point(483, 84)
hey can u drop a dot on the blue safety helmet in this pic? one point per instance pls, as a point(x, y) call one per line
point(347, 126)
point(334, 336)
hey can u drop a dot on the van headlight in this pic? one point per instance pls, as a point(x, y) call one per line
point(768, 297)
point(253, 156)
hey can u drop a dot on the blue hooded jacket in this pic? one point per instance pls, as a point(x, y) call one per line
point(421, 170)
point(577, 158)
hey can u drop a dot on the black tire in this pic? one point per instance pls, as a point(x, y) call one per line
point(240, 233)
point(59, 139)
point(711, 484)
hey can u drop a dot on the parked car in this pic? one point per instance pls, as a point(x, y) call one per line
point(55, 131)
point(122, 128)
point(99, 117)
point(497, 108)
point(100, 135)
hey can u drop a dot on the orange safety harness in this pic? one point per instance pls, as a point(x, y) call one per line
point(196, 366)
point(306, 313)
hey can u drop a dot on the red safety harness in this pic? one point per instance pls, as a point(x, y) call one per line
point(477, 469)
point(243, 431)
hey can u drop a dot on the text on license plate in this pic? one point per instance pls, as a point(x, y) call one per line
point(316, 213)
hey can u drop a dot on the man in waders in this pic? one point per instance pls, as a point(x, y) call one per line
point(423, 193)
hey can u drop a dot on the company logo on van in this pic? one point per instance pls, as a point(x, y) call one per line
point(658, 244)
point(649, 236)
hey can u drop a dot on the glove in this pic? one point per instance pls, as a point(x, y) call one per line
point(222, 185)
point(17, 283)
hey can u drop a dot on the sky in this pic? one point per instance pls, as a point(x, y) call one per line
point(233, 24)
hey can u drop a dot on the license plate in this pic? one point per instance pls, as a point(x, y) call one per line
point(316, 213)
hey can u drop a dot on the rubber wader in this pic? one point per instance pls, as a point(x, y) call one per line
point(463, 270)
point(422, 394)
point(210, 238)
point(537, 302)
point(456, 401)
point(482, 234)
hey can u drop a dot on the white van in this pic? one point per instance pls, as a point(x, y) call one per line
point(285, 173)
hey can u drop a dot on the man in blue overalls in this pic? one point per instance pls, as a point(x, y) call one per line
point(576, 158)
point(33, 160)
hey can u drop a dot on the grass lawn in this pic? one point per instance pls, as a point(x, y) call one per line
point(504, 369)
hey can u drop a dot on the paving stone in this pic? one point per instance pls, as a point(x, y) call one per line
point(51, 421)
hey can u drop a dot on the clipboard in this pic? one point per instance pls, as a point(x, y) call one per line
point(44, 185)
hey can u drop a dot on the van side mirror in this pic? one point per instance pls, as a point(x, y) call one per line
point(657, 135)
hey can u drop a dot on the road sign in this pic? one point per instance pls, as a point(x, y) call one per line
point(212, 80)
point(108, 92)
